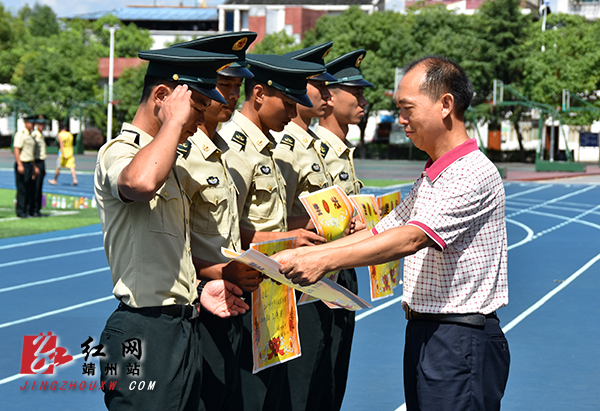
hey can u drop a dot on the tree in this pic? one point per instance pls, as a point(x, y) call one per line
point(129, 40)
point(41, 20)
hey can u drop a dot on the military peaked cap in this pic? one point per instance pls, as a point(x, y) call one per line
point(315, 54)
point(197, 69)
point(347, 69)
point(230, 43)
point(286, 75)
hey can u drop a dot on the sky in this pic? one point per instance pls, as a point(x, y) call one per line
point(64, 8)
point(70, 7)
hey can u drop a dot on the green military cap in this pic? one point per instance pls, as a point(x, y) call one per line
point(347, 69)
point(31, 119)
point(231, 43)
point(315, 54)
point(286, 75)
point(40, 119)
point(197, 69)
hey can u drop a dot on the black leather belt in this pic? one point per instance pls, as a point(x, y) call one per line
point(477, 320)
point(187, 312)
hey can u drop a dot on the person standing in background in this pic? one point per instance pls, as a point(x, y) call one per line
point(40, 162)
point(26, 171)
point(65, 154)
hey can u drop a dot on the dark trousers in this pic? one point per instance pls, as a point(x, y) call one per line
point(221, 344)
point(25, 190)
point(455, 367)
point(261, 391)
point(342, 336)
point(309, 377)
point(39, 183)
point(170, 362)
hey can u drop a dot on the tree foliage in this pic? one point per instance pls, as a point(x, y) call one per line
point(54, 64)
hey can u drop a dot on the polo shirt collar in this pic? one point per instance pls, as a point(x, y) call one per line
point(332, 140)
point(254, 134)
point(434, 169)
point(300, 134)
point(203, 143)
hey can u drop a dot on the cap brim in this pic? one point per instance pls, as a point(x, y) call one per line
point(301, 99)
point(211, 93)
point(353, 83)
point(240, 72)
point(324, 77)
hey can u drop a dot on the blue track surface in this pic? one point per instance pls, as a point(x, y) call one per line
point(59, 282)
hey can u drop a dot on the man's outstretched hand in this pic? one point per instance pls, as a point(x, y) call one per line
point(221, 298)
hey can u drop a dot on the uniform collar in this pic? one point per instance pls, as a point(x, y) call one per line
point(435, 168)
point(301, 135)
point(129, 129)
point(336, 143)
point(254, 134)
point(203, 143)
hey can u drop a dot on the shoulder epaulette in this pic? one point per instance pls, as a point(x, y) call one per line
point(183, 149)
point(240, 138)
point(324, 149)
point(288, 141)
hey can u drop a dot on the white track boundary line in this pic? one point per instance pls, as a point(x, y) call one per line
point(551, 294)
point(53, 280)
point(49, 240)
point(50, 257)
point(59, 311)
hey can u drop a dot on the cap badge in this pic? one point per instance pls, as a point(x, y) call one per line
point(224, 67)
point(240, 44)
point(265, 169)
point(213, 181)
point(175, 77)
point(359, 60)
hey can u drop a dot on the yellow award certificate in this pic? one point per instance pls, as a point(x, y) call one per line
point(381, 281)
point(274, 316)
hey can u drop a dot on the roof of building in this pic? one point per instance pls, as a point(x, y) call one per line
point(301, 2)
point(120, 64)
point(160, 13)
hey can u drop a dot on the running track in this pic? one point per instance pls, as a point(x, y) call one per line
point(60, 282)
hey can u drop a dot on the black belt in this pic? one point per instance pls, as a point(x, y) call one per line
point(477, 320)
point(187, 312)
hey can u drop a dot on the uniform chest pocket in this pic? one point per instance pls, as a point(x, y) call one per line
point(316, 181)
point(265, 198)
point(166, 211)
point(210, 211)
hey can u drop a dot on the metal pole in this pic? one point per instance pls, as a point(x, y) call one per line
point(110, 83)
point(551, 139)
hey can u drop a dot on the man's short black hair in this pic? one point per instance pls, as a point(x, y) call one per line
point(442, 76)
point(150, 83)
point(249, 84)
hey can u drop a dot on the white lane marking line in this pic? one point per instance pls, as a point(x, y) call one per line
point(527, 239)
point(17, 376)
point(51, 257)
point(551, 294)
point(554, 200)
point(49, 240)
point(522, 193)
point(378, 308)
point(53, 280)
point(59, 311)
